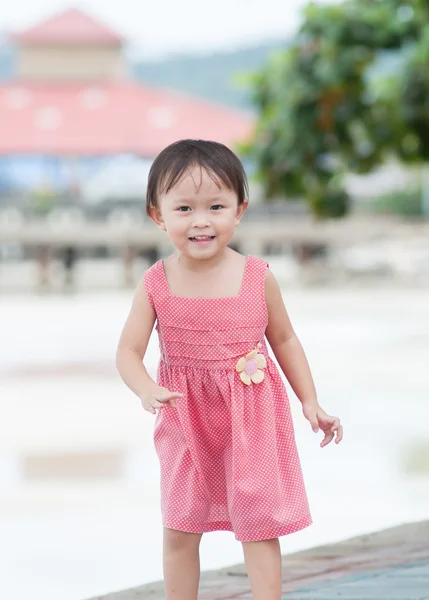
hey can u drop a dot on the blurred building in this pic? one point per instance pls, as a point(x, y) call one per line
point(71, 108)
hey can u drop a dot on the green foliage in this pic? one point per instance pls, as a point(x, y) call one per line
point(322, 112)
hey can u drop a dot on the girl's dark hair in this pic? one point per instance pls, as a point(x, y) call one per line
point(218, 160)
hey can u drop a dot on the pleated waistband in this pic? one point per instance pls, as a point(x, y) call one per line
point(228, 363)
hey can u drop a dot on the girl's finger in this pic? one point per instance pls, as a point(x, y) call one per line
point(312, 418)
point(335, 425)
point(167, 397)
point(339, 434)
point(327, 439)
point(158, 404)
point(314, 423)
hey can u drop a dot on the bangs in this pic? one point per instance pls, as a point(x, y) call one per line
point(176, 175)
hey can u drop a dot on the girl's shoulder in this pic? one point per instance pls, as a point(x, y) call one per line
point(257, 266)
point(154, 269)
point(259, 262)
point(255, 272)
point(153, 272)
point(153, 280)
point(250, 261)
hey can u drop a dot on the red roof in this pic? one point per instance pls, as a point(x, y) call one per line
point(70, 27)
point(100, 119)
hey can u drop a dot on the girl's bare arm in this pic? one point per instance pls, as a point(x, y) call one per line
point(132, 349)
point(286, 346)
point(133, 343)
point(293, 362)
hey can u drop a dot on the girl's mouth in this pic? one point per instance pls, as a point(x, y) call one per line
point(202, 239)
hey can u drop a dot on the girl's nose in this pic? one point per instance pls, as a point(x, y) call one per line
point(201, 220)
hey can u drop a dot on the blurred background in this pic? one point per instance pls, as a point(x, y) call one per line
point(327, 105)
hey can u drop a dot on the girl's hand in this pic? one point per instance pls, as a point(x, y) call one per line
point(320, 420)
point(158, 398)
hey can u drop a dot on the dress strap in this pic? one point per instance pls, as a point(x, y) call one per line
point(155, 283)
point(253, 289)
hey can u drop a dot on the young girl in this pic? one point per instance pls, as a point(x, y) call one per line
point(223, 428)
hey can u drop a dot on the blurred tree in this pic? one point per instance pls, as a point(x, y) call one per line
point(323, 113)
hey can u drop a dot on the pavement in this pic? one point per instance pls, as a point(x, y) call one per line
point(388, 565)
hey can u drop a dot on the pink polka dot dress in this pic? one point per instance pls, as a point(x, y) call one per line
point(227, 453)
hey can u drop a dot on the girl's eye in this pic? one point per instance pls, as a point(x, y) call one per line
point(184, 208)
point(217, 206)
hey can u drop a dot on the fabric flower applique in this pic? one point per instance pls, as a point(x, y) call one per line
point(250, 366)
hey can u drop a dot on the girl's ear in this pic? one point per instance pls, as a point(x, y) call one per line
point(241, 209)
point(156, 217)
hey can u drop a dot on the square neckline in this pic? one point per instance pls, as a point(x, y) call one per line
point(243, 280)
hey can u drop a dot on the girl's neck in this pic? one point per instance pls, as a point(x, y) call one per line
point(195, 265)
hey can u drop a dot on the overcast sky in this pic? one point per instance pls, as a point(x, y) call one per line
point(159, 27)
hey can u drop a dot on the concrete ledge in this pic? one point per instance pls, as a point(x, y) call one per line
point(403, 545)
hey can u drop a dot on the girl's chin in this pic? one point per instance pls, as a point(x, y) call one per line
point(195, 250)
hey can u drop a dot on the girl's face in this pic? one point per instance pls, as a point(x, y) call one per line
point(198, 214)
